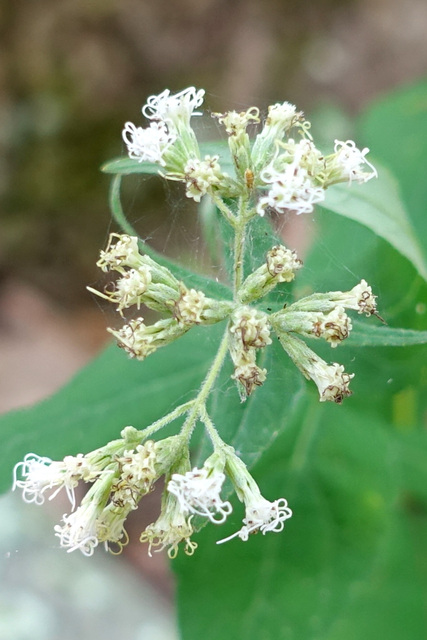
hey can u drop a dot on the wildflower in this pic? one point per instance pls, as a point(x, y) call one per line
point(201, 176)
point(174, 110)
point(350, 160)
point(282, 263)
point(238, 141)
point(148, 144)
point(360, 298)
point(331, 380)
point(292, 188)
point(260, 514)
point(333, 326)
point(80, 528)
point(140, 340)
point(236, 123)
point(280, 266)
point(40, 474)
point(264, 516)
point(121, 254)
point(249, 374)
point(189, 306)
point(170, 529)
point(250, 327)
point(198, 492)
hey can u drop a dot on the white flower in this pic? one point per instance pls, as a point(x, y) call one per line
point(39, 475)
point(123, 253)
point(283, 115)
point(291, 189)
point(189, 306)
point(351, 160)
point(282, 263)
point(148, 144)
point(251, 327)
point(170, 529)
point(198, 492)
point(201, 176)
point(140, 340)
point(79, 530)
point(174, 109)
point(262, 515)
point(235, 123)
point(331, 380)
point(361, 299)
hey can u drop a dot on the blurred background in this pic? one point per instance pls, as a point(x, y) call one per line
point(71, 74)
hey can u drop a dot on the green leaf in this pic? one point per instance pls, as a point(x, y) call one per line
point(127, 166)
point(378, 206)
point(365, 334)
point(395, 127)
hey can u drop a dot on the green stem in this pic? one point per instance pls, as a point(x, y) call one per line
point(183, 408)
point(239, 246)
point(116, 207)
point(226, 212)
point(206, 387)
point(216, 439)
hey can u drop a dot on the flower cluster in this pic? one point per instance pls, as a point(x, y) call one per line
point(320, 315)
point(288, 174)
point(120, 474)
point(281, 170)
point(143, 281)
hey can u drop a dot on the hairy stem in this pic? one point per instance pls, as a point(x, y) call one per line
point(183, 408)
point(206, 387)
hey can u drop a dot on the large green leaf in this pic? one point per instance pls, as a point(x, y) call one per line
point(378, 206)
point(395, 128)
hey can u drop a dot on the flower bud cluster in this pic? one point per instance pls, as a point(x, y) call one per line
point(322, 315)
point(249, 330)
point(280, 265)
point(145, 282)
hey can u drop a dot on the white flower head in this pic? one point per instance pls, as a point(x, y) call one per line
point(189, 306)
point(35, 475)
point(282, 263)
point(148, 144)
point(79, 529)
point(121, 252)
point(292, 189)
point(361, 299)
point(283, 115)
point(334, 327)
point(262, 515)
point(170, 529)
point(352, 161)
point(235, 123)
point(201, 176)
point(140, 340)
point(198, 492)
point(250, 375)
point(331, 380)
point(251, 327)
point(138, 468)
point(174, 109)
